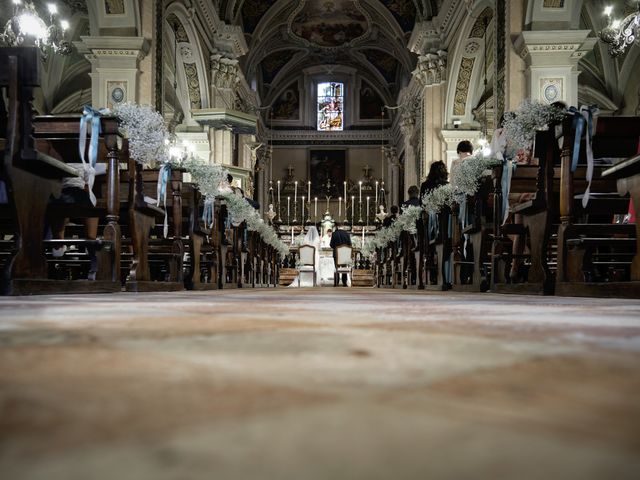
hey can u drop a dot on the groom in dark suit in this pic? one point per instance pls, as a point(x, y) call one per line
point(340, 237)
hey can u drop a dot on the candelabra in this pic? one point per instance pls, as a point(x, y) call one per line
point(26, 28)
point(620, 34)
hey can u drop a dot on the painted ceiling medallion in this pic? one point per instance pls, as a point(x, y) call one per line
point(329, 24)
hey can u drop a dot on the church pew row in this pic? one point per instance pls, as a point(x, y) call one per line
point(594, 255)
point(30, 177)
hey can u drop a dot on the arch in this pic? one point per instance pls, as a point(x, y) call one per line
point(192, 77)
point(465, 74)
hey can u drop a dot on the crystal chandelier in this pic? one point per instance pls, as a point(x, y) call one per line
point(26, 28)
point(619, 34)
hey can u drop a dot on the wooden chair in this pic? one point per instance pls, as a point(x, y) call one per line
point(343, 262)
point(307, 254)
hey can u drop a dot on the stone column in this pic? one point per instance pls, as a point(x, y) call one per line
point(431, 72)
point(115, 68)
point(552, 62)
point(407, 126)
point(392, 186)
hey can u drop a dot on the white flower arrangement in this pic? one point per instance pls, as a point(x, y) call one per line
point(437, 198)
point(520, 128)
point(466, 178)
point(406, 221)
point(146, 131)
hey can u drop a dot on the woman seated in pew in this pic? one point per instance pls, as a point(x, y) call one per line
point(77, 191)
point(505, 149)
point(438, 176)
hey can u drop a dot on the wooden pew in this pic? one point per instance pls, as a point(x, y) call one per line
point(201, 271)
point(58, 136)
point(627, 176)
point(537, 228)
point(30, 178)
point(438, 251)
point(472, 275)
point(594, 255)
point(150, 262)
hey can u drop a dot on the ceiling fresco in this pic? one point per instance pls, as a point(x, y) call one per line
point(286, 36)
point(329, 23)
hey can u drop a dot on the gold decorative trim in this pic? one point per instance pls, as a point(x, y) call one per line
point(462, 86)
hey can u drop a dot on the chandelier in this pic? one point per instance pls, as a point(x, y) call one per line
point(26, 28)
point(619, 34)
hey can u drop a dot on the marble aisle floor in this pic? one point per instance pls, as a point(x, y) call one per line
point(319, 384)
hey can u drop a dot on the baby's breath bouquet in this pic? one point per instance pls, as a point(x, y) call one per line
point(520, 127)
point(146, 132)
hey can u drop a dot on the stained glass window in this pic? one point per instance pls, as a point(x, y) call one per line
point(330, 106)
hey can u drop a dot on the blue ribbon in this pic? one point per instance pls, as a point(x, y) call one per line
point(163, 178)
point(578, 125)
point(588, 114)
point(207, 213)
point(433, 230)
point(90, 118)
point(508, 169)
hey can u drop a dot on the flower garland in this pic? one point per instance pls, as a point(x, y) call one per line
point(146, 131)
point(438, 198)
point(406, 222)
point(465, 179)
point(209, 178)
point(520, 127)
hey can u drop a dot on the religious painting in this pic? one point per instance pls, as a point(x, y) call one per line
point(114, 7)
point(274, 62)
point(287, 105)
point(252, 12)
point(327, 172)
point(330, 106)
point(330, 23)
point(370, 102)
point(404, 11)
point(386, 64)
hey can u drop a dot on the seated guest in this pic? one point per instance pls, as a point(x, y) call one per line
point(464, 150)
point(393, 214)
point(414, 199)
point(437, 177)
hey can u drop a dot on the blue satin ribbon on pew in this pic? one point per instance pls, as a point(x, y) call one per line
point(163, 178)
point(508, 169)
point(433, 229)
point(207, 213)
point(583, 118)
point(578, 126)
point(589, 114)
point(90, 121)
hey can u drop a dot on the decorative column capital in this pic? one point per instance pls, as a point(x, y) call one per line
point(224, 71)
point(431, 68)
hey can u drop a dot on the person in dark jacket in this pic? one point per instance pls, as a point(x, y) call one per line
point(340, 237)
point(414, 199)
point(389, 219)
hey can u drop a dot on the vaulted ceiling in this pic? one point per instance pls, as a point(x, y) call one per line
point(285, 36)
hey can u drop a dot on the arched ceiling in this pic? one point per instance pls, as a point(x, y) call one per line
point(285, 36)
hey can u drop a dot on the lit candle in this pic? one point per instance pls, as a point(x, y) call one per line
point(345, 195)
point(368, 210)
point(288, 208)
point(295, 191)
point(309, 190)
point(376, 202)
point(360, 183)
point(353, 208)
point(278, 193)
point(302, 218)
point(339, 207)
point(363, 237)
point(315, 208)
point(291, 234)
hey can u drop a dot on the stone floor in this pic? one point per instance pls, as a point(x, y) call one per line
point(319, 384)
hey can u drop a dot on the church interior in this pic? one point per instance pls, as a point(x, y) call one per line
point(316, 239)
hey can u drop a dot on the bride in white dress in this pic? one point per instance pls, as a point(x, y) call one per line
point(306, 280)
